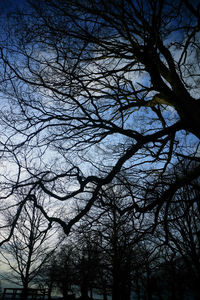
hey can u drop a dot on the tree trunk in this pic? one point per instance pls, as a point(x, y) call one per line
point(105, 296)
point(50, 287)
point(84, 291)
point(65, 289)
point(24, 295)
point(149, 286)
point(116, 290)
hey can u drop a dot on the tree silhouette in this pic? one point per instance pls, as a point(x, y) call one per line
point(28, 249)
point(95, 88)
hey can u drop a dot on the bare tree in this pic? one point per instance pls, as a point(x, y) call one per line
point(184, 242)
point(65, 269)
point(47, 277)
point(115, 236)
point(93, 88)
point(28, 249)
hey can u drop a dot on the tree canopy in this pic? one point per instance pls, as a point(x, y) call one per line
point(94, 92)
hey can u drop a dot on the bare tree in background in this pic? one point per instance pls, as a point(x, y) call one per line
point(29, 248)
point(184, 242)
